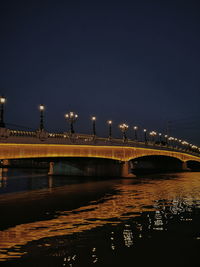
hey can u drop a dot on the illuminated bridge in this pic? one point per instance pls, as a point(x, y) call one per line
point(89, 155)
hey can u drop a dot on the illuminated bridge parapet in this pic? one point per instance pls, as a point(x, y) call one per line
point(30, 145)
point(121, 153)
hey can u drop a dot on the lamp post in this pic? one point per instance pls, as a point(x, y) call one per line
point(145, 135)
point(184, 143)
point(71, 117)
point(160, 138)
point(41, 108)
point(166, 139)
point(171, 143)
point(176, 142)
point(153, 134)
point(109, 129)
point(124, 127)
point(94, 125)
point(2, 102)
point(150, 137)
point(135, 132)
point(180, 143)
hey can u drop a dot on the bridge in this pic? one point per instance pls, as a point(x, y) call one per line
point(86, 155)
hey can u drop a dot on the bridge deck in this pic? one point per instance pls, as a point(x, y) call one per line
point(22, 144)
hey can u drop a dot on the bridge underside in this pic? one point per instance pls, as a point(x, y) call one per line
point(98, 167)
point(193, 165)
point(86, 167)
point(74, 166)
point(152, 164)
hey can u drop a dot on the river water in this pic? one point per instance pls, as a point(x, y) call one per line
point(61, 221)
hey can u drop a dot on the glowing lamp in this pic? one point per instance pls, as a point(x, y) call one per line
point(2, 100)
point(41, 107)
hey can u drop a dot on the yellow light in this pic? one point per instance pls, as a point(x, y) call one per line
point(54, 150)
point(123, 126)
point(2, 100)
point(41, 107)
point(145, 130)
point(109, 122)
point(71, 116)
point(135, 127)
point(93, 118)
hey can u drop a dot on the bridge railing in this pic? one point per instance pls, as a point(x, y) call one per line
point(22, 133)
point(7, 135)
point(84, 139)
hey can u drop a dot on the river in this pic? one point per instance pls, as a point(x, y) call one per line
point(69, 221)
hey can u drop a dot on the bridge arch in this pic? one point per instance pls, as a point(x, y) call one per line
point(193, 165)
point(156, 163)
point(82, 166)
point(157, 155)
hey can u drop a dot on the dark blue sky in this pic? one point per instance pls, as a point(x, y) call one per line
point(131, 61)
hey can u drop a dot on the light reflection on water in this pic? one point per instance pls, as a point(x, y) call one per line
point(157, 201)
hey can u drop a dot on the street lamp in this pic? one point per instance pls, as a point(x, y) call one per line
point(135, 132)
point(166, 139)
point(124, 127)
point(171, 139)
point(2, 102)
point(94, 125)
point(153, 134)
point(41, 108)
point(160, 138)
point(145, 135)
point(71, 117)
point(109, 129)
point(176, 142)
point(185, 145)
point(180, 143)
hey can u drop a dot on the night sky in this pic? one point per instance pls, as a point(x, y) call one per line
point(130, 61)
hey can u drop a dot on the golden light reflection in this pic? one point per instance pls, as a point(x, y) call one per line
point(128, 237)
point(3, 177)
point(130, 201)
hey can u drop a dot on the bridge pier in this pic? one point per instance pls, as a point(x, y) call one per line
point(51, 168)
point(125, 170)
point(185, 167)
point(85, 167)
point(65, 168)
point(91, 167)
point(5, 163)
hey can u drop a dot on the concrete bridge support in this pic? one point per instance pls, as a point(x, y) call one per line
point(5, 162)
point(126, 170)
point(91, 167)
point(185, 167)
point(51, 168)
point(85, 167)
point(64, 168)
